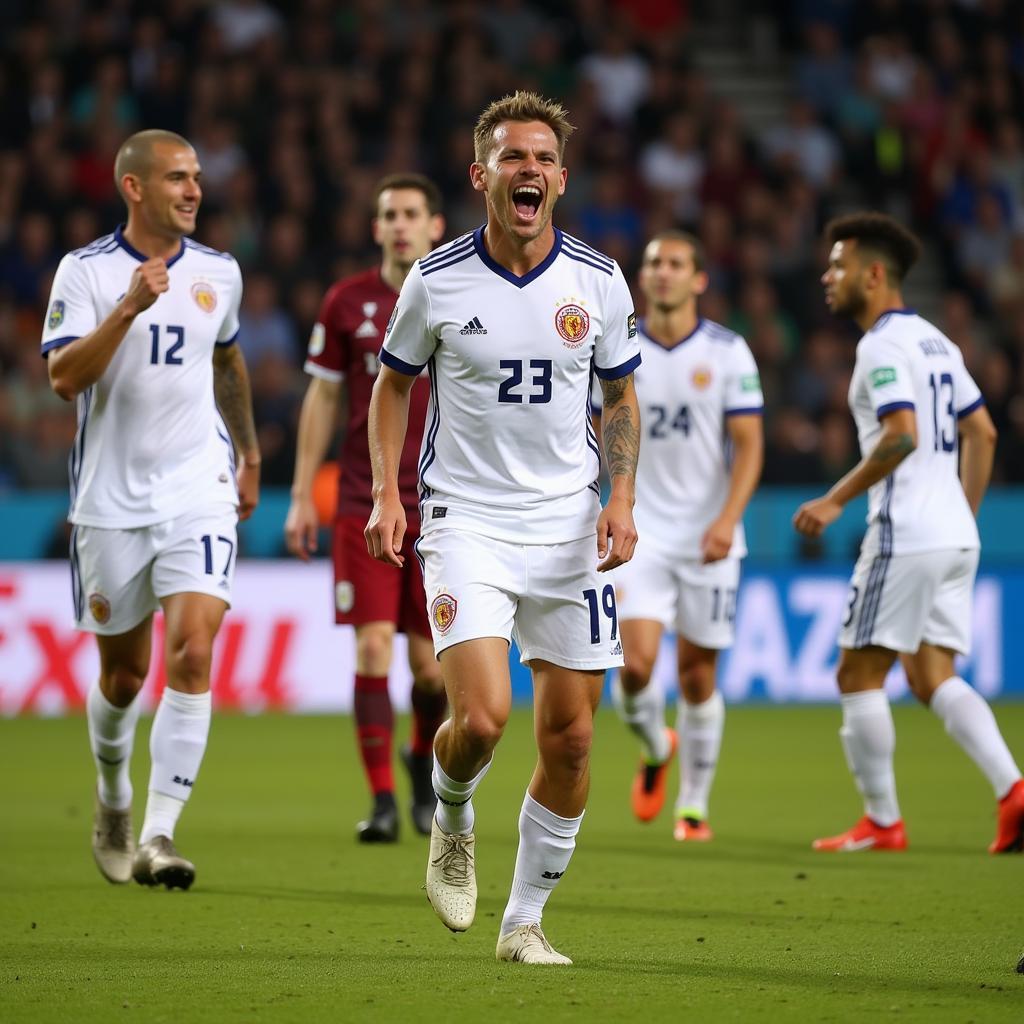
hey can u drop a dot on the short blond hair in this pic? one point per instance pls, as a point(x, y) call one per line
point(521, 106)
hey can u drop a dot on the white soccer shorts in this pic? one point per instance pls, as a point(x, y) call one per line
point(119, 576)
point(697, 601)
point(901, 601)
point(549, 598)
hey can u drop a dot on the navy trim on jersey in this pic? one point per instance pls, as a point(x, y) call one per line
point(88, 252)
point(77, 597)
point(77, 453)
point(884, 410)
point(96, 243)
point(228, 341)
point(968, 409)
point(716, 332)
point(642, 327)
point(883, 318)
point(49, 346)
point(133, 252)
point(587, 262)
point(429, 451)
point(460, 245)
point(493, 265)
point(460, 257)
point(750, 410)
point(572, 242)
point(419, 557)
point(392, 361)
point(615, 372)
point(191, 243)
point(879, 569)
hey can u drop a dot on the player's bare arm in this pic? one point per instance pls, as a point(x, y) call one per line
point(388, 421)
point(747, 436)
point(620, 428)
point(316, 425)
point(75, 367)
point(898, 440)
point(977, 450)
point(234, 399)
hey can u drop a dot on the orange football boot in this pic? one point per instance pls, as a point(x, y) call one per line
point(1010, 829)
point(692, 830)
point(865, 835)
point(648, 793)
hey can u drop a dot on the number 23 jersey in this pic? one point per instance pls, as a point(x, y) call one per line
point(151, 443)
point(508, 450)
point(904, 362)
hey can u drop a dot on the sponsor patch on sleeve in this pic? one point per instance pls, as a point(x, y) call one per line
point(751, 382)
point(882, 376)
point(317, 339)
point(631, 325)
point(56, 317)
point(391, 322)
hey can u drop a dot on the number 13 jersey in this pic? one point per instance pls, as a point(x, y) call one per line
point(508, 450)
point(151, 443)
point(904, 362)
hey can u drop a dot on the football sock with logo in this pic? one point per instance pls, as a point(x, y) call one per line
point(455, 814)
point(546, 842)
point(644, 713)
point(375, 724)
point(111, 737)
point(700, 739)
point(969, 720)
point(428, 712)
point(176, 746)
point(869, 740)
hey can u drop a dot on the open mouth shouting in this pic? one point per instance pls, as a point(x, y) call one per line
point(527, 201)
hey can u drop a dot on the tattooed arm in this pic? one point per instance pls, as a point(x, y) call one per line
point(620, 427)
point(898, 440)
point(234, 399)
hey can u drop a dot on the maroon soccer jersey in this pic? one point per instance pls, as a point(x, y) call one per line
point(344, 346)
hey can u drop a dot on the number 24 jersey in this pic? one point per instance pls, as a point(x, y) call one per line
point(508, 450)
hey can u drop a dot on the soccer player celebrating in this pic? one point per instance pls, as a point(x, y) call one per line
point(374, 598)
point(927, 444)
point(141, 331)
point(701, 404)
point(509, 319)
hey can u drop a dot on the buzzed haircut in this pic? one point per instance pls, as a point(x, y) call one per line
point(136, 153)
point(880, 237)
point(409, 179)
point(523, 107)
point(677, 235)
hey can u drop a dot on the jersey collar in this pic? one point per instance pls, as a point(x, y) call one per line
point(519, 282)
point(675, 344)
point(884, 317)
point(141, 257)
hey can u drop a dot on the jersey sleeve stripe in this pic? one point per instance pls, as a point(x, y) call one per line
point(573, 242)
point(587, 261)
point(615, 372)
point(400, 365)
point(316, 370)
point(49, 346)
point(884, 410)
point(747, 410)
point(449, 250)
point(968, 409)
point(435, 267)
point(228, 341)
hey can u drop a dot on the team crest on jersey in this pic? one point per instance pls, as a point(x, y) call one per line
point(317, 339)
point(344, 596)
point(99, 606)
point(56, 317)
point(204, 295)
point(701, 378)
point(391, 322)
point(443, 611)
point(572, 322)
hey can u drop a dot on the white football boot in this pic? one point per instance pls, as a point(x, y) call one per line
point(113, 845)
point(527, 945)
point(451, 878)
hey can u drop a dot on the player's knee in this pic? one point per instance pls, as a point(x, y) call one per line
point(480, 729)
point(121, 683)
point(188, 661)
point(373, 654)
point(568, 748)
point(636, 673)
point(697, 682)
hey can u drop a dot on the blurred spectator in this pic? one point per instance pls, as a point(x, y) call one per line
point(265, 329)
point(619, 75)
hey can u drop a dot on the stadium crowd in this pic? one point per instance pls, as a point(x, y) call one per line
point(296, 110)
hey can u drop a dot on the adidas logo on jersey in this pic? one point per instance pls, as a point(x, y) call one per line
point(474, 327)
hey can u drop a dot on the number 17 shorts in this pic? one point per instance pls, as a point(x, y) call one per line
point(549, 598)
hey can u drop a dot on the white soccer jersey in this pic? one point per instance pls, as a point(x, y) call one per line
point(686, 394)
point(509, 451)
point(150, 441)
point(904, 362)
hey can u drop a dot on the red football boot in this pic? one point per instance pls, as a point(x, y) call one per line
point(1010, 829)
point(648, 794)
point(865, 835)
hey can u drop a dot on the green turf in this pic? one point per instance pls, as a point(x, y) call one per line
point(290, 920)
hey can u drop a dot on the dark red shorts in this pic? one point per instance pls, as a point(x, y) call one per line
point(366, 590)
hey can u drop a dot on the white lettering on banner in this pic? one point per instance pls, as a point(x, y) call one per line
point(763, 653)
point(825, 601)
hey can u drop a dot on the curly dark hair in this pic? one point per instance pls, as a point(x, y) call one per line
point(881, 236)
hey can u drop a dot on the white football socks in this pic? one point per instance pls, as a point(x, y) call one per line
point(176, 746)
point(455, 814)
point(546, 842)
point(969, 720)
point(700, 740)
point(111, 737)
point(644, 713)
point(869, 739)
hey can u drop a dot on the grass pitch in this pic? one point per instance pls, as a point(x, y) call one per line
point(291, 920)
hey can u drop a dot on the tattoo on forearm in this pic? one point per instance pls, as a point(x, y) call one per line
point(892, 448)
point(620, 429)
point(614, 390)
point(234, 398)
